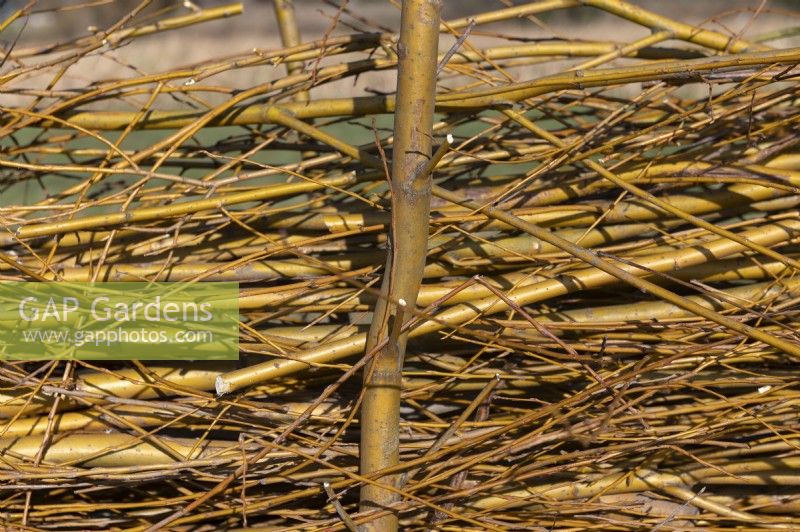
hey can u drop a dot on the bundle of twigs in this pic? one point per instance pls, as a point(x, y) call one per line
point(586, 318)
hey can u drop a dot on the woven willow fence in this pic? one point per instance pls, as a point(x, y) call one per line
point(490, 300)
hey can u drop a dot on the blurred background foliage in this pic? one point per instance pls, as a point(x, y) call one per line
point(111, 10)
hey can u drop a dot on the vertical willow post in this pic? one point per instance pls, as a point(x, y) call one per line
point(411, 191)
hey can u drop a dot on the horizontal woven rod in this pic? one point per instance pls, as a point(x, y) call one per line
point(472, 100)
point(526, 294)
point(178, 209)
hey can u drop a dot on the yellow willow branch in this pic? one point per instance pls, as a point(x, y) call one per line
point(119, 450)
point(660, 310)
point(456, 101)
point(257, 270)
point(182, 21)
point(86, 420)
point(126, 383)
point(290, 36)
point(582, 79)
point(737, 269)
point(625, 482)
point(587, 256)
point(651, 199)
point(583, 279)
point(180, 209)
point(86, 45)
point(411, 195)
point(640, 480)
point(708, 38)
